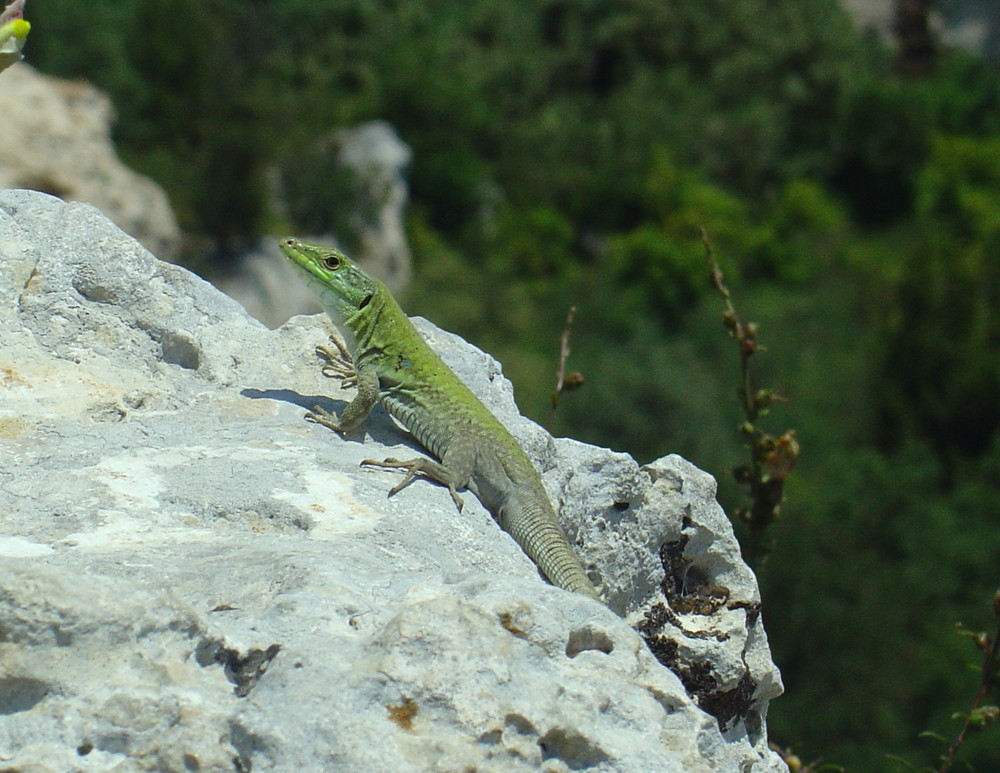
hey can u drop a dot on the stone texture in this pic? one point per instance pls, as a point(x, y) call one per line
point(267, 287)
point(377, 159)
point(193, 578)
point(55, 136)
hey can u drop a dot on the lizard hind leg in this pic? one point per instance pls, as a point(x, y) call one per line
point(430, 469)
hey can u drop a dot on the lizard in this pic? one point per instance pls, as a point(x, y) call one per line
point(389, 362)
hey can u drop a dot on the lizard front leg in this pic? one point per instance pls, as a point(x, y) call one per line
point(356, 411)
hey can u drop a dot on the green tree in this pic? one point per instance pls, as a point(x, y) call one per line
point(943, 349)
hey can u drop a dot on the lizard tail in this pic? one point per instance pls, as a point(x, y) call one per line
point(540, 536)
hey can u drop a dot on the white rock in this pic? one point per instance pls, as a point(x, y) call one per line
point(194, 578)
point(55, 136)
point(378, 159)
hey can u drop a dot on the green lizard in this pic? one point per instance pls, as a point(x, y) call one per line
point(394, 365)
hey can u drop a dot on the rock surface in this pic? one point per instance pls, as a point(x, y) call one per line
point(55, 136)
point(377, 159)
point(192, 578)
point(268, 288)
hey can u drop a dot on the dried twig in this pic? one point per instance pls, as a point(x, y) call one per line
point(772, 459)
point(978, 716)
point(565, 382)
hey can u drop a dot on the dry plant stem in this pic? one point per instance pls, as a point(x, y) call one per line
point(561, 373)
point(771, 458)
point(739, 331)
point(991, 662)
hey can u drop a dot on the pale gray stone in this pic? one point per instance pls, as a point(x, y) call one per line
point(969, 25)
point(55, 136)
point(194, 578)
point(267, 287)
point(378, 159)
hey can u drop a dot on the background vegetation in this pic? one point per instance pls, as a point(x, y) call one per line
point(567, 152)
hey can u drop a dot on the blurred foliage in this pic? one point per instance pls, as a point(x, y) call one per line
point(555, 102)
point(321, 195)
point(568, 152)
point(942, 344)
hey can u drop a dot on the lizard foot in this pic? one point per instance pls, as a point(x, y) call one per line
point(426, 467)
point(320, 416)
point(338, 363)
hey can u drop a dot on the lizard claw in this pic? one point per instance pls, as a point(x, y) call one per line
point(320, 416)
point(338, 363)
point(430, 469)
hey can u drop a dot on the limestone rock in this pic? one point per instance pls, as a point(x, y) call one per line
point(377, 159)
point(267, 287)
point(969, 26)
point(194, 578)
point(55, 136)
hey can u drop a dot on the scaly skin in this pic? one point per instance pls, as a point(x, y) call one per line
point(394, 365)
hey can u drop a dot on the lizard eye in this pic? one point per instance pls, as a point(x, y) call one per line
point(331, 262)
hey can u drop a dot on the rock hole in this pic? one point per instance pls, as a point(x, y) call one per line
point(180, 349)
point(572, 748)
point(492, 737)
point(19, 694)
point(521, 725)
point(246, 744)
point(244, 671)
point(588, 639)
point(728, 706)
point(91, 289)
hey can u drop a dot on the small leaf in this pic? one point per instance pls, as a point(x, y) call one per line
point(983, 716)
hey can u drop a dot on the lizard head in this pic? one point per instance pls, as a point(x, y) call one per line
point(343, 288)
